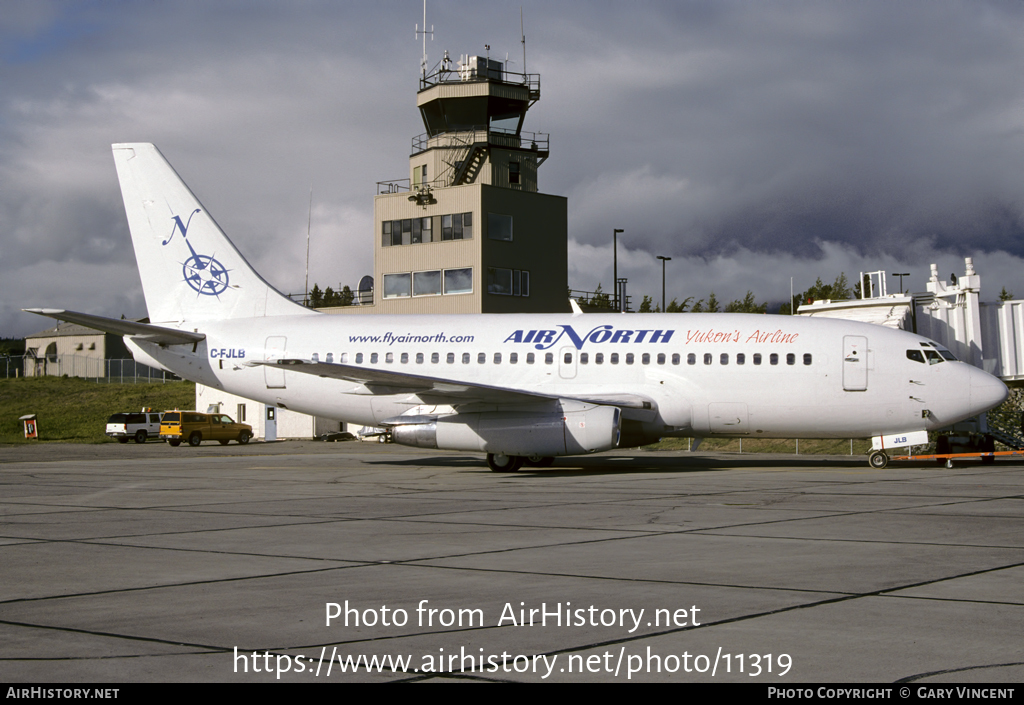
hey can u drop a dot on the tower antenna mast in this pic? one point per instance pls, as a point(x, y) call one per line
point(309, 225)
point(424, 32)
point(522, 35)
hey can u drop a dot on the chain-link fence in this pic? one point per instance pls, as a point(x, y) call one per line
point(126, 371)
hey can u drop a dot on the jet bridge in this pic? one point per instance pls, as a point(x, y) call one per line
point(988, 335)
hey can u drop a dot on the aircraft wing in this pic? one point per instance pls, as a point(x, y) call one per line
point(140, 331)
point(439, 390)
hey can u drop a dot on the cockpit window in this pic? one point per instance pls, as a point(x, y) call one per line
point(947, 354)
point(933, 357)
point(916, 356)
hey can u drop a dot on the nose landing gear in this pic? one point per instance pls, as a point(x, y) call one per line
point(878, 459)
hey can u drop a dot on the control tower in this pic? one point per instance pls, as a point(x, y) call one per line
point(468, 231)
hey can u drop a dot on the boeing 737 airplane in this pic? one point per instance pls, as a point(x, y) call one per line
point(520, 388)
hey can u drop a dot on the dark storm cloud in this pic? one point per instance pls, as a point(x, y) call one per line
point(750, 141)
point(773, 126)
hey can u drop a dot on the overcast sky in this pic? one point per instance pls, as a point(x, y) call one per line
point(749, 141)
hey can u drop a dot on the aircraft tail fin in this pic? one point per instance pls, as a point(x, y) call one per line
point(189, 268)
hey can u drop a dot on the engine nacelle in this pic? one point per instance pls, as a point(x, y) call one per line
point(545, 434)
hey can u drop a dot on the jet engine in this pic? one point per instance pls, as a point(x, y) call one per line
point(517, 434)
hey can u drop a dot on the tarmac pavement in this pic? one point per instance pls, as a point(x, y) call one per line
point(146, 563)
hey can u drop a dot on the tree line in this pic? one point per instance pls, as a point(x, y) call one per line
point(600, 299)
point(330, 297)
point(838, 290)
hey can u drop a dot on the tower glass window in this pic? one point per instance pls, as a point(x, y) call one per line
point(458, 281)
point(499, 227)
point(414, 231)
point(426, 283)
point(397, 285)
point(499, 281)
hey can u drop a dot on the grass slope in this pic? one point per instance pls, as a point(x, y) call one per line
point(76, 410)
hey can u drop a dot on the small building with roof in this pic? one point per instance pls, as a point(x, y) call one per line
point(73, 350)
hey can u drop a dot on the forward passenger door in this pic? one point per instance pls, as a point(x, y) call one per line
point(855, 363)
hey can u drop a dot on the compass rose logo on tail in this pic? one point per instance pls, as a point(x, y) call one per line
point(201, 272)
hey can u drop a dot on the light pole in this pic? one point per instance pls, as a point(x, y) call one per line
point(615, 265)
point(663, 261)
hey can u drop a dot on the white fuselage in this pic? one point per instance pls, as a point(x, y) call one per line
point(706, 374)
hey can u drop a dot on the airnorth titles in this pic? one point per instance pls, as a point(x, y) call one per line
point(545, 339)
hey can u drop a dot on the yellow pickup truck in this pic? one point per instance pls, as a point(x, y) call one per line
point(196, 427)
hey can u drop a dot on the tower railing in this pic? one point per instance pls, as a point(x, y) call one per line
point(464, 142)
point(499, 137)
point(443, 73)
point(405, 185)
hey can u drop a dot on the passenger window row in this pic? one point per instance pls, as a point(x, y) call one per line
point(584, 358)
point(756, 359)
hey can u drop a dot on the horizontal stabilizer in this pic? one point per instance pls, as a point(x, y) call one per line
point(140, 331)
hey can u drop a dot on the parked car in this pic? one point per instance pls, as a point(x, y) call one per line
point(141, 426)
point(196, 427)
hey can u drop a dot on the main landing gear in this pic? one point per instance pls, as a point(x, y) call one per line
point(499, 462)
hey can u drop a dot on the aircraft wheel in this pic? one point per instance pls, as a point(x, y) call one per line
point(536, 461)
point(243, 437)
point(140, 436)
point(175, 442)
point(878, 459)
point(195, 439)
point(949, 463)
point(499, 462)
point(382, 438)
point(123, 439)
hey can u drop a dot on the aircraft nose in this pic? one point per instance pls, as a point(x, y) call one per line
point(986, 391)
